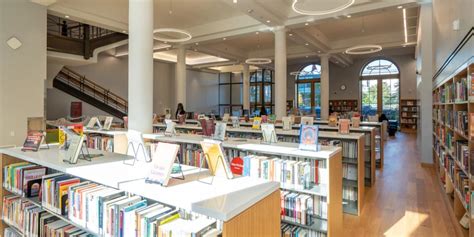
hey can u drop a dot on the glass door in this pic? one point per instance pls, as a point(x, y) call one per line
point(369, 98)
point(317, 99)
point(304, 97)
point(391, 98)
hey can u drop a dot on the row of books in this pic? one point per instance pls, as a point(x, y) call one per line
point(461, 183)
point(409, 109)
point(408, 121)
point(460, 90)
point(349, 171)
point(411, 115)
point(303, 209)
point(288, 230)
point(461, 119)
point(461, 152)
point(349, 193)
point(98, 142)
point(297, 174)
point(31, 220)
point(23, 178)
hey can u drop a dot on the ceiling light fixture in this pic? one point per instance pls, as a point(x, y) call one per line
point(322, 12)
point(197, 43)
point(348, 16)
point(124, 31)
point(186, 35)
point(364, 49)
point(66, 16)
point(306, 24)
point(224, 38)
point(290, 34)
point(400, 7)
point(319, 51)
point(257, 33)
point(306, 56)
point(306, 44)
point(234, 1)
point(258, 61)
point(405, 24)
point(268, 21)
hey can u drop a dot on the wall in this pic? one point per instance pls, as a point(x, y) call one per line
point(112, 73)
point(22, 71)
point(445, 38)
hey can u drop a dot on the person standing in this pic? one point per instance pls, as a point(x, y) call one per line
point(64, 28)
point(180, 110)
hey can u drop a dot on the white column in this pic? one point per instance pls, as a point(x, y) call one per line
point(324, 87)
point(280, 72)
point(180, 85)
point(140, 65)
point(425, 85)
point(246, 86)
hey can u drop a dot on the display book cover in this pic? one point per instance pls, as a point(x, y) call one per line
point(309, 137)
point(75, 146)
point(344, 126)
point(33, 141)
point(31, 183)
point(219, 132)
point(332, 121)
point(286, 123)
point(163, 159)
point(256, 123)
point(268, 133)
point(217, 163)
point(208, 127)
point(235, 121)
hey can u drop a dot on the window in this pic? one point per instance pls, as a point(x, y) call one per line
point(261, 91)
point(230, 91)
point(308, 90)
point(380, 89)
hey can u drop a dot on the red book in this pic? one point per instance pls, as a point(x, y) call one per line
point(33, 141)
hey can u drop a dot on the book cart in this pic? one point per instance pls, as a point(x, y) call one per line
point(329, 158)
point(234, 203)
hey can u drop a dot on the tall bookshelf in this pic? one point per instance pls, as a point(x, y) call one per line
point(453, 144)
point(408, 115)
point(343, 105)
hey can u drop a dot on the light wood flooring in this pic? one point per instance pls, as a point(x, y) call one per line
point(406, 199)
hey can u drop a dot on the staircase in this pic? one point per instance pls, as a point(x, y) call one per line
point(78, 38)
point(86, 90)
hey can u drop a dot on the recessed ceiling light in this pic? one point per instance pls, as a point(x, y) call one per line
point(306, 24)
point(290, 34)
point(257, 33)
point(348, 16)
point(224, 38)
point(307, 56)
point(66, 16)
point(124, 31)
point(319, 51)
point(197, 43)
point(234, 1)
point(268, 21)
point(306, 44)
point(404, 46)
point(400, 7)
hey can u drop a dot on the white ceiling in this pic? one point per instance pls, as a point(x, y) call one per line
point(212, 21)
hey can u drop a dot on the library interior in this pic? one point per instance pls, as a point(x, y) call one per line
point(236, 118)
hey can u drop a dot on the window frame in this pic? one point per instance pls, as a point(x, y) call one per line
point(312, 82)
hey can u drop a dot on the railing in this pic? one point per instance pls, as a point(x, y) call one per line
point(74, 29)
point(90, 88)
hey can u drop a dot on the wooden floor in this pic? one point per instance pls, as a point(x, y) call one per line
point(406, 200)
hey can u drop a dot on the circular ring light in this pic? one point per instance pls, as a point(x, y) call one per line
point(186, 35)
point(324, 12)
point(258, 61)
point(364, 49)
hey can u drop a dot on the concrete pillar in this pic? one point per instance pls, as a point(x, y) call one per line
point(180, 85)
point(140, 65)
point(324, 87)
point(425, 86)
point(280, 72)
point(246, 86)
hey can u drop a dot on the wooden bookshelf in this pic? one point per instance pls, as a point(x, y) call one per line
point(342, 106)
point(453, 142)
point(363, 162)
point(240, 147)
point(243, 200)
point(409, 115)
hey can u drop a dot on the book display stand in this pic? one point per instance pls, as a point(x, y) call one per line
point(135, 153)
point(206, 156)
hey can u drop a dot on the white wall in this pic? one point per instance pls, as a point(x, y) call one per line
point(22, 71)
point(112, 73)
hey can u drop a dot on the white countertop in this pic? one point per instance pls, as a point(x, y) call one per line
point(279, 132)
point(253, 145)
point(222, 200)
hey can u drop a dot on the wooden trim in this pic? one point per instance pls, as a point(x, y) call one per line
point(334, 197)
point(361, 175)
point(261, 219)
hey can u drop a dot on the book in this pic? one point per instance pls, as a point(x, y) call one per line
point(309, 137)
point(94, 123)
point(170, 127)
point(344, 126)
point(219, 132)
point(31, 183)
point(108, 122)
point(307, 121)
point(225, 117)
point(332, 121)
point(33, 141)
point(286, 123)
point(235, 121)
point(214, 153)
point(355, 122)
point(256, 123)
point(162, 163)
point(268, 133)
point(207, 126)
point(74, 149)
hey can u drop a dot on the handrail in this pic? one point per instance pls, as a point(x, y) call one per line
point(75, 30)
point(90, 88)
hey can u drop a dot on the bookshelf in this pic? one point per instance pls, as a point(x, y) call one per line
point(231, 202)
point(409, 115)
point(332, 157)
point(110, 141)
point(453, 111)
point(341, 106)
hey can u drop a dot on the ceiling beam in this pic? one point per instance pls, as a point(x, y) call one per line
point(207, 65)
point(258, 12)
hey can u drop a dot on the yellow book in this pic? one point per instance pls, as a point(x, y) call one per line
point(256, 123)
point(167, 220)
point(215, 158)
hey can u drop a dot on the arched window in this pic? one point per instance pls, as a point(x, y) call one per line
point(380, 89)
point(308, 89)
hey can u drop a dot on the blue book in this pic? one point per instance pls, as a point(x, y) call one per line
point(309, 137)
